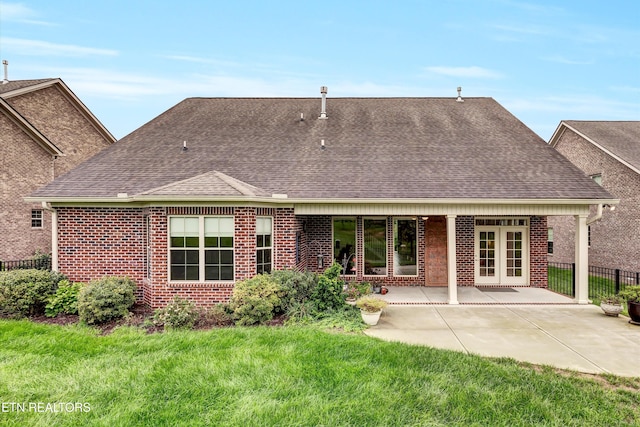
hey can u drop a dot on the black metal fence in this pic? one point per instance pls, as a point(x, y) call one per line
point(43, 263)
point(602, 281)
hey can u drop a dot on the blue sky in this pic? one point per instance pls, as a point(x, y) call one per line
point(129, 61)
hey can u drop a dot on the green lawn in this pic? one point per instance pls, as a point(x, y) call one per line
point(285, 376)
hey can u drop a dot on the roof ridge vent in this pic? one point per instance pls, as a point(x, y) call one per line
point(459, 96)
point(323, 112)
point(5, 63)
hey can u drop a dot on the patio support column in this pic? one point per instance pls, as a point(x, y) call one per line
point(54, 240)
point(582, 260)
point(451, 259)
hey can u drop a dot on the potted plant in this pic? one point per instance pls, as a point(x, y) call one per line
point(611, 304)
point(354, 290)
point(370, 309)
point(632, 295)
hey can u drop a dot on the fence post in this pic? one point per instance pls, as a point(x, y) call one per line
point(617, 280)
point(573, 279)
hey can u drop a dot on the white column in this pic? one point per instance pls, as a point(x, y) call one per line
point(54, 240)
point(582, 260)
point(451, 259)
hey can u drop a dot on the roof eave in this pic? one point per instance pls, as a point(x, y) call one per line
point(282, 199)
point(72, 97)
point(558, 133)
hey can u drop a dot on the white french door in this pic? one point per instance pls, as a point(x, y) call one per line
point(502, 255)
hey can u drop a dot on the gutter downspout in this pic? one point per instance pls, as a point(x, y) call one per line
point(598, 215)
point(54, 235)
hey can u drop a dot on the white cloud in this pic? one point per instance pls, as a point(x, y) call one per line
point(18, 12)
point(473, 72)
point(562, 60)
point(583, 107)
point(15, 11)
point(43, 48)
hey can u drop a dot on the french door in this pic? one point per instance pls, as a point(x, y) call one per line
point(502, 255)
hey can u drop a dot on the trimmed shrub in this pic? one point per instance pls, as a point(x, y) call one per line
point(25, 292)
point(328, 293)
point(256, 300)
point(218, 315)
point(65, 300)
point(180, 313)
point(106, 299)
point(297, 287)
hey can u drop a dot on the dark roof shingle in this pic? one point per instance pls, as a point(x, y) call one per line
point(621, 138)
point(375, 148)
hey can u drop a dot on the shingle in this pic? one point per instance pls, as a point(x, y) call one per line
point(622, 138)
point(20, 84)
point(379, 148)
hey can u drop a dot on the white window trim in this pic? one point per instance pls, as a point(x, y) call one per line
point(355, 243)
point(364, 261)
point(271, 247)
point(393, 223)
point(201, 250)
point(41, 219)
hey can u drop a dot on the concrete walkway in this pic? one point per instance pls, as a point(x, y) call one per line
point(568, 336)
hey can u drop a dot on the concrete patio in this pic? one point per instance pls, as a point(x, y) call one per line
point(421, 295)
point(545, 329)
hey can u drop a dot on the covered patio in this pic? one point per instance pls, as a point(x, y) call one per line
point(474, 295)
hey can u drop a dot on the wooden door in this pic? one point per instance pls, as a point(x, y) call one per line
point(436, 272)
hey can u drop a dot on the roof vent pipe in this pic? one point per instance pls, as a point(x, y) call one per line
point(323, 112)
point(5, 63)
point(459, 96)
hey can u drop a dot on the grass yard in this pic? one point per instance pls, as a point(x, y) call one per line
point(285, 376)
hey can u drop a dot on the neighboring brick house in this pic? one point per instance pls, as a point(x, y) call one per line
point(404, 191)
point(45, 130)
point(608, 152)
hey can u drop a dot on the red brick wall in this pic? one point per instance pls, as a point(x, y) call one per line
point(96, 242)
point(538, 252)
point(465, 238)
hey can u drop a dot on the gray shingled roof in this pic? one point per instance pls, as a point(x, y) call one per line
point(622, 139)
point(19, 84)
point(378, 148)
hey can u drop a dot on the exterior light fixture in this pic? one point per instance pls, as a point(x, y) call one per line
point(320, 261)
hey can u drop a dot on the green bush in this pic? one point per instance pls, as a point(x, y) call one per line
point(65, 300)
point(256, 300)
point(328, 294)
point(218, 315)
point(25, 292)
point(180, 313)
point(106, 299)
point(297, 287)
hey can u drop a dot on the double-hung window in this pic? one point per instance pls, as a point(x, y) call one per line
point(36, 218)
point(264, 244)
point(201, 248)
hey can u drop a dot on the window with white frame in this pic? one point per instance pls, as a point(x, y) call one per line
point(36, 218)
point(375, 246)
point(264, 244)
point(550, 240)
point(405, 247)
point(201, 248)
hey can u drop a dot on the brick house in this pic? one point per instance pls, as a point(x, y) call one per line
point(608, 152)
point(45, 130)
point(402, 191)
